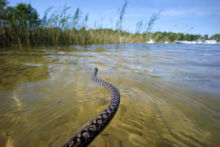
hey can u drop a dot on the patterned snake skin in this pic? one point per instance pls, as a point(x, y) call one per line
point(86, 135)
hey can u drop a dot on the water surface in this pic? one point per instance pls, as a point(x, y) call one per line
point(169, 94)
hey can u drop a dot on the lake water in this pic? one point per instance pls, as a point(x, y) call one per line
point(169, 94)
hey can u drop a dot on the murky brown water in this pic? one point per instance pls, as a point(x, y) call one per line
point(169, 95)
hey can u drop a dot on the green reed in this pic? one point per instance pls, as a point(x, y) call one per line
point(20, 26)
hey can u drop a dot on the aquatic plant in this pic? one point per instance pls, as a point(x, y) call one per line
point(21, 26)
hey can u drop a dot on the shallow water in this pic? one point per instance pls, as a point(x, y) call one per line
point(169, 94)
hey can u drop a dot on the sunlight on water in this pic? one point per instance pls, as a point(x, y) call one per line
point(169, 94)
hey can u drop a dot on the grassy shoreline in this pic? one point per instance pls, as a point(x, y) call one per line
point(20, 26)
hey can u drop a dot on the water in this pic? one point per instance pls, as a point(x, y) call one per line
point(169, 94)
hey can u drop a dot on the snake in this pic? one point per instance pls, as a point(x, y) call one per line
point(97, 125)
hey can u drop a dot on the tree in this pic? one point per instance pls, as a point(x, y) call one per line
point(3, 5)
point(19, 21)
point(179, 36)
point(188, 37)
point(26, 16)
point(171, 36)
point(196, 37)
point(205, 37)
point(216, 37)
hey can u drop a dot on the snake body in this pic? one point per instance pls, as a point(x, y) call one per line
point(87, 134)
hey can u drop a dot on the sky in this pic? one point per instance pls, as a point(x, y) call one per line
point(185, 16)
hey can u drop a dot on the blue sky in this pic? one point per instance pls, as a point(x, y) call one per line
point(186, 16)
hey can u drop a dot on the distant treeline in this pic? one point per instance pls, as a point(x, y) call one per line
point(21, 26)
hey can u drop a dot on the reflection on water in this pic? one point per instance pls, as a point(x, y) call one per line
point(169, 94)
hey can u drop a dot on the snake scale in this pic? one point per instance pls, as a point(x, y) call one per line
point(87, 134)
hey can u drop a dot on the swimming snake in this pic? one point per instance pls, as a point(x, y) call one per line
point(87, 134)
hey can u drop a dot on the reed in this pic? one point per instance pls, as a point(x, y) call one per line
point(20, 26)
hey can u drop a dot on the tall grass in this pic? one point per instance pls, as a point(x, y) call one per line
point(122, 13)
point(55, 28)
point(59, 27)
point(20, 26)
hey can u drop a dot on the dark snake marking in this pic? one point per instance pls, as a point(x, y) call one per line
point(86, 135)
